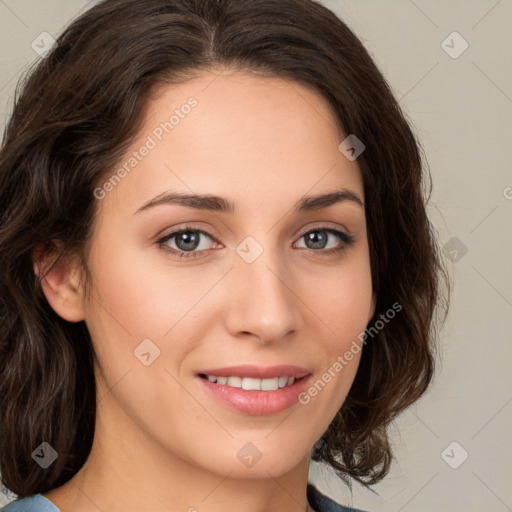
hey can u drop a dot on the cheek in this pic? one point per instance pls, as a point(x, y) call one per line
point(139, 296)
point(344, 308)
point(342, 301)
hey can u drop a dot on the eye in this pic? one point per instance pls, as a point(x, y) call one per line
point(190, 242)
point(320, 240)
point(186, 242)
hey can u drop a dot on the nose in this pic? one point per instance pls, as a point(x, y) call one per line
point(261, 302)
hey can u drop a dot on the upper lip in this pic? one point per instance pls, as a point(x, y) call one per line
point(258, 372)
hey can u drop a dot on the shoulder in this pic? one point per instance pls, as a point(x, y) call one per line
point(36, 503)
point(321, 503)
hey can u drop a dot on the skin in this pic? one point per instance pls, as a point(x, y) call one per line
point(161, 442)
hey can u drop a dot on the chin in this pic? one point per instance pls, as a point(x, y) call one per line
point(260, 459)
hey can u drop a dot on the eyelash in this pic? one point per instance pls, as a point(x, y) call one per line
point(346, 239)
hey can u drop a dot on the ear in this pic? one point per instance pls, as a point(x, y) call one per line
point(61, 283)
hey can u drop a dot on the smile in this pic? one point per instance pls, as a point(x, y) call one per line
point(255, 390)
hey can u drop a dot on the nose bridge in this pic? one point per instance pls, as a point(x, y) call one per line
point(262, 302)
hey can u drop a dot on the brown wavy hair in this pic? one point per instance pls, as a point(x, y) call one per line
point(75, 114)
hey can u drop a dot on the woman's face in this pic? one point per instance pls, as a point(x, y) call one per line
point(257, 277)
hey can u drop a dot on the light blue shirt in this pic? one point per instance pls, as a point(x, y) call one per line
point(38, 503)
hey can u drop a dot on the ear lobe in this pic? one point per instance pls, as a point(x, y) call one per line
point(60, 283)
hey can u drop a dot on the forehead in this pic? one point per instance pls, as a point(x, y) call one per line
point(240, 136)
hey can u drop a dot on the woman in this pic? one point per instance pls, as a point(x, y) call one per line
point(216, 263)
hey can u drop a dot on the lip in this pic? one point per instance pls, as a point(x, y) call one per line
point(253, 402)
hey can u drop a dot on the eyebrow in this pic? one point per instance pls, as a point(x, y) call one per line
point(220, 204)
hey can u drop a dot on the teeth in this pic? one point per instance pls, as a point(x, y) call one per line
point(235, 382)
point(270, 384)
point(283, 381)
point(249, 383)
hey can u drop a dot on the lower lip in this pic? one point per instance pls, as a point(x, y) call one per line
point(257, 403)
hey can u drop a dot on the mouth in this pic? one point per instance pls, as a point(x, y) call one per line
point(255, 390)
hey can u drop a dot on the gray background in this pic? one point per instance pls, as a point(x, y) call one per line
point(461, 108)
